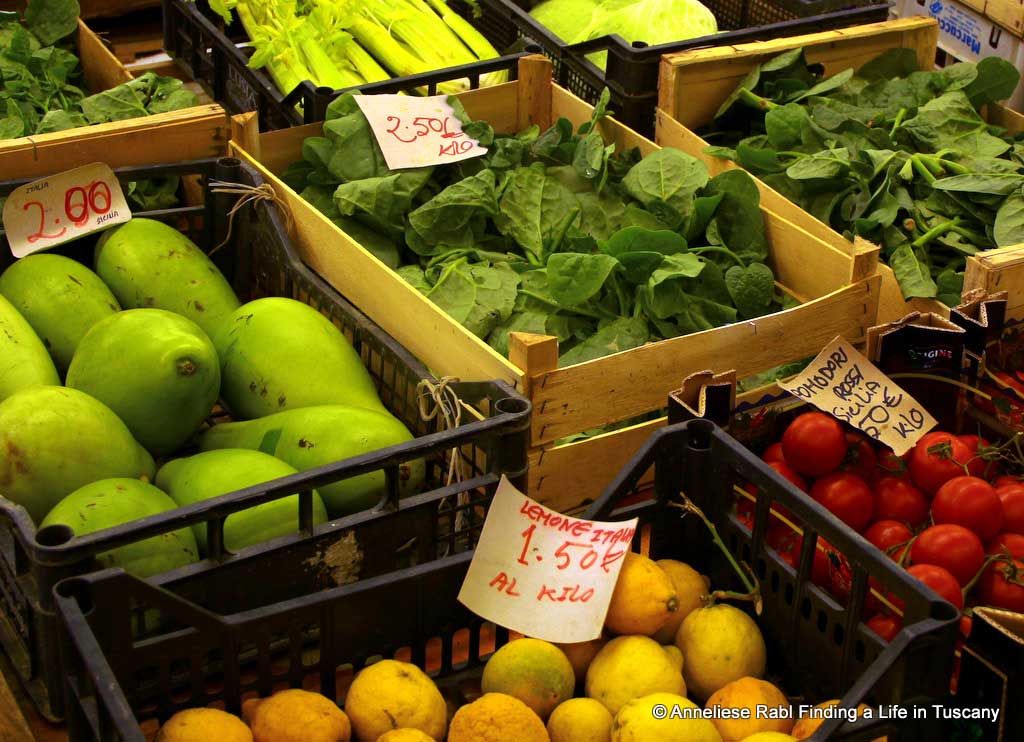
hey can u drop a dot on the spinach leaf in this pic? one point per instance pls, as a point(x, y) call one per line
point(457, 216)
point(1000, 184)
point(738, 216)
point(667, 175)
point(575, 278)
point(913, 274)
point(996, 79)
point(1009, 225)
point(751, 288)
point(616, 336)
point(532, 205)
point(52, 20)
point(890, 64)
point(478, 296)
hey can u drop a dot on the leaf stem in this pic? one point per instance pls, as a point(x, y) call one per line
point(575, 310)
point(724, 250)
point(899, 120)
point(922, 169)
point(752, 99)
point(935, 232)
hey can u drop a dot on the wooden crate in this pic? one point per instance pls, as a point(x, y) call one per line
point(140, 141)
point(839, 288)
point(694, 84)
point(95, 8)
point(1007, 13)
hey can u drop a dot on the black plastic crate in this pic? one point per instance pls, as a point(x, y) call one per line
point(119, 676)
point(260, 261)
point(197, 38)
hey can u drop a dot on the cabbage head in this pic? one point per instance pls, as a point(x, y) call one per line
point(565, 17)
point(651, 21)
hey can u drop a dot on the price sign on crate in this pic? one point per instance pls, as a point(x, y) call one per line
point(413, 131)
point(845, 384)
point(544, 574)
point(63, 207)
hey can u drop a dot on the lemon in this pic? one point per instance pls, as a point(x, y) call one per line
point(405, 735)
point(536, 672)
point(202, 725)
point(643, 600)
point(637, 721)
point(629, 667)
point(496, 717)
point(749, 693)
point(808, 724)
point(691, 587)
point(580, 654)
point(297, 716)
point(580, 720)
point(720, 644)
point(675, 655)
point(393, 695)
point(769, 737)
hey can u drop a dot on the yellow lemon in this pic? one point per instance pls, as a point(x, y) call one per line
point(580, 720)
point(496, 717)
point(297, 716)
point(638, 721)
point(580, 654)
point(202, 725)
point(405, 735)
point(691, 587)
point(750, 694)
point(720, 643)
point(393, 695)
point(769, 737)
point(675, 655)
point(643, 600)
point(536, 672)
point(808, 724)
point(629, 667)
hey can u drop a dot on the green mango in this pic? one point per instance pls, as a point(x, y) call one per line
point(215, 473)
point(24, 361)
point(54, 440)
point(314, 436)
point(60, 298)
point(149, 264)
point(114, 502)
point(157, 370)
point(279, 354)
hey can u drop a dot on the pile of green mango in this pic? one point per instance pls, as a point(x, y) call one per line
point(146, 344)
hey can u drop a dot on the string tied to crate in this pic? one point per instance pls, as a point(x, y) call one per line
point(249, 195)
point(439, 401)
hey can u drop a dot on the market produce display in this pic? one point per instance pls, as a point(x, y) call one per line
point(340, 44)
point(898, 155)
point(551, 232)
point(951, 510)
point(141, 383)
point(650, 21)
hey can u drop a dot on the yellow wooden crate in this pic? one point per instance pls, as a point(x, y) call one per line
point(694, 84)
point(839, 290)
point(187, 134)
point(1007, 13)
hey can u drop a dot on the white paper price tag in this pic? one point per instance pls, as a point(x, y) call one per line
point(845, 384)
point(413, 131)
point(546, 575)
point(63, 207)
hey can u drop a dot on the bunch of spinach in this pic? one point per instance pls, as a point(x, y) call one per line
point(42, 90)
point(551, 232)
point(892, 153)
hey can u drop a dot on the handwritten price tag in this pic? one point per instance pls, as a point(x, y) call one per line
point(64, 207)
point(415, 132)
point(544, 574)
point(845, 384)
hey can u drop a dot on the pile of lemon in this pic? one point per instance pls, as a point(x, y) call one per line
point(670, 646)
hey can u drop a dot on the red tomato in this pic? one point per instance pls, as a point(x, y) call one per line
point(891, 465)
point(781, 537)
point(965, 626)
point(1007, 542)
point(773, 453)
point(1002, 586)
point(937, 458)
point(847, 497)
point(977, 466)
point(746, 519)
point(860, 458)
point(971, 503)
point(885, 534)
point(952, 547)
point(885, 625)
point(814, 444)
point(1012, 498)
point(939, 580)
point(898, 499)
point(820, 565)
point(787, 473)
point(1005, 480)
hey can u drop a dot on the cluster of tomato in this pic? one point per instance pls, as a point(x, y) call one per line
point(944, 510)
